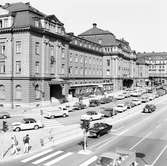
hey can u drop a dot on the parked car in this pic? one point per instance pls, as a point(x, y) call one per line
point(120, 108)
point(105, 100)
point(151, 97)
point(26, 123)
point(120, 157)
point(4, 115)
point(94, 103)
point(108, 112)
point(149, 108)
point(99, 129)
point(119, 97)
point(79, 106)
point(136, 93)
point(144, 99)
point(56, 112)
point(129, 104)
point(136, 101)
point(92, 115)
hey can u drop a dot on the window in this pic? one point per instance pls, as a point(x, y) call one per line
point(36, 23)
point(2, 48)
point(108, 62)
point(18, 47)
point(2, 92)
point(76, 59)
point(62, 68)
point(18, 92)
point(51, 51)
point(71, 58)
point(5, 23)
point(37, 67)
point(63, 53)
point(0, 23)
point(2, 66)
point(37, 92)
point(18, 66)
point(70, 70)
point(37, 51)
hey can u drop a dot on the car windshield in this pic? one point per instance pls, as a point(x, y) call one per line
point(119, 105)
point(89, 113)
point(104, 161)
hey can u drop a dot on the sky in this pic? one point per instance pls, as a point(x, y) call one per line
point(142, 23)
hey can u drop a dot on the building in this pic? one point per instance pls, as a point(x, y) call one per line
point(157, 64)
point(119, 61)
point(40, 62)
point(33, 56)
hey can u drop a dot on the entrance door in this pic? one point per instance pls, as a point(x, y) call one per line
point(127, 83)
point(56, 91)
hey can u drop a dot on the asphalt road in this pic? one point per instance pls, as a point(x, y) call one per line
point(144, 133)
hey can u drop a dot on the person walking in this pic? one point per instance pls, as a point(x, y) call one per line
point(14, 145)
point(26, 141)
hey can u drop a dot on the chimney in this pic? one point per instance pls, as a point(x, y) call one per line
point(94, 25)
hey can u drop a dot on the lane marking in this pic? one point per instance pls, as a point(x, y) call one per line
point(58, 159)
point(89, 161)
point(37, 155)
point(163, 150)
point(141, 140)
point(47, 157)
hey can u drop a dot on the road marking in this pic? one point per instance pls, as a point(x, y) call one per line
point(47, 157)
point(159, 155)
point(141, 140)
point(37, 155)
point(91, 160)
point(58, 159)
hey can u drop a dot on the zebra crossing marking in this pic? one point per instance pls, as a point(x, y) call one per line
point(89, 161)
point(37, 155)
point(58, 159)
point(47, 157)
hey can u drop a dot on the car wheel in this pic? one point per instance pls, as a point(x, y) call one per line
point(98, 135)
point(4, 117)
point(91, 119)
point(36, 127)
point(52, 117)
point(64, 115)
point(18, 129)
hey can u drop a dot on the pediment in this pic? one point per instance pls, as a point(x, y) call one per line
point(3, 11)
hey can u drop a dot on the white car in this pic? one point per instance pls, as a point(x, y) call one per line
point(26, 123)
point(136, 93)
point(56, 112)
point(136, 101)
point(120, 108)
point(92, 115)
point(119, 97)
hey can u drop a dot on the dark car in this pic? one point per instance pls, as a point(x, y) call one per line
point(79, 106)
point(94, 103)
point(106, 100)
point(149, 108)
point(99, 129)
point(108, 112)
point(4, 115)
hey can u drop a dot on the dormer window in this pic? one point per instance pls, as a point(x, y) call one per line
point(5, 23)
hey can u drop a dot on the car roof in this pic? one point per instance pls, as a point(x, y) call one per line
point(28, 119)
point(111, 155)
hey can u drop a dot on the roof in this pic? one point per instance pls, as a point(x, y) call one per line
point(20, 6)
point(151, 54)
point(94, 30)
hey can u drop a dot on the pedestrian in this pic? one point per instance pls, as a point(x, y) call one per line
point(26, 141)
point(14, 145)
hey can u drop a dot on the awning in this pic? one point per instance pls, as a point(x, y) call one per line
point(58, 81)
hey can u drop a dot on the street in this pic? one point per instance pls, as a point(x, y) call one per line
point(143, 133)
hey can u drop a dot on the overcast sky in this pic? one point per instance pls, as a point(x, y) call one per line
point(143, 23)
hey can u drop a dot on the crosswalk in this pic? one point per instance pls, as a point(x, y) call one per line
point(50, 123)
point(50, 157)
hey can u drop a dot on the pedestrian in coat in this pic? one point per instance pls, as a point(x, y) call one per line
point(26, 141)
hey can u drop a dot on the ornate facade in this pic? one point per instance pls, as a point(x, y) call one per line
point(39, 61)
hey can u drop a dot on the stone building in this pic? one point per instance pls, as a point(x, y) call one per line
point(157, 66)
point(39, 61)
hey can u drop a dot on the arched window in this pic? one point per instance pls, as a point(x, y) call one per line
point(37, 92)
point(18, 92)
point(2, 92)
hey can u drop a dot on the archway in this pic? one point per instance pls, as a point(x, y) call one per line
point(56, 91)
point(127, 83)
